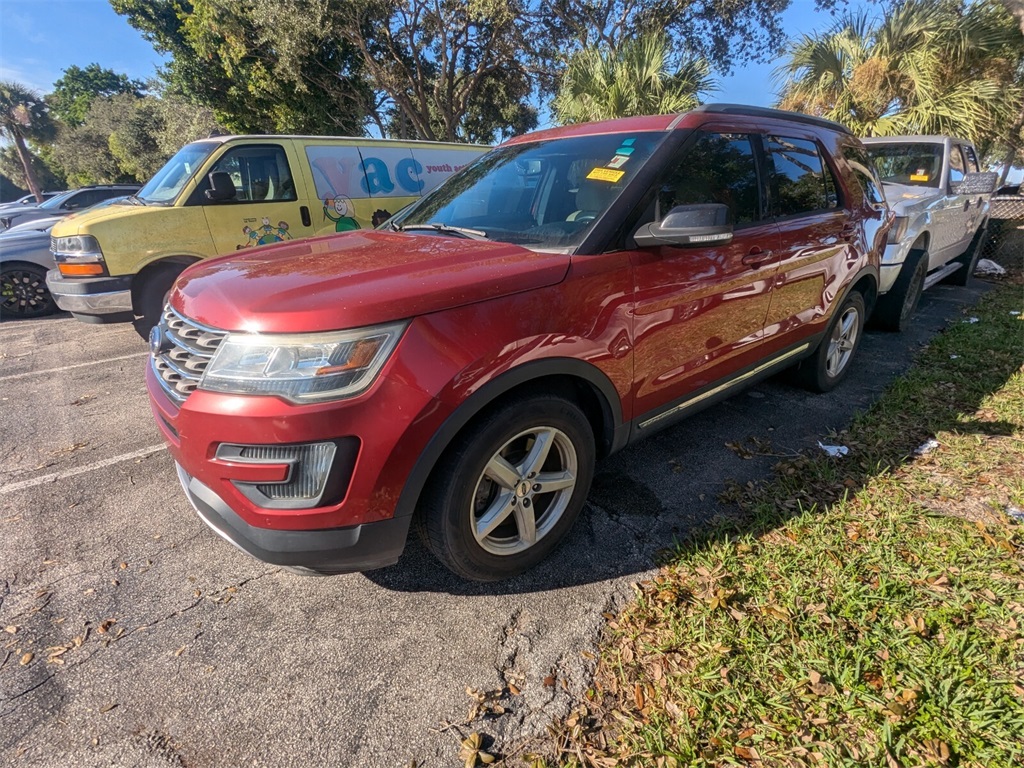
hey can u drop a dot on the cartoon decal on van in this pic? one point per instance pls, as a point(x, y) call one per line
point(265, 234)
point(345, 220)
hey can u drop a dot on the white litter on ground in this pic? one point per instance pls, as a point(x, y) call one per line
point(1015, 312)
point(835, 451)
point(1016, 513)
point(988, 268)
point(926, 447)
point(971, 320)
point(954, 357)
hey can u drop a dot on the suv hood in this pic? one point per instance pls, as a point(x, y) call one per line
point(356, 279)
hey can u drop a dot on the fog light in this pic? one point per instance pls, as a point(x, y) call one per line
point(306, 480)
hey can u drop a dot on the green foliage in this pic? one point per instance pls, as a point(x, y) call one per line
point(264, 66)
point(48, 174)
point(24, 117)
point(127, 138)
point(76, 90)
point(930, 67)
point(637, 78)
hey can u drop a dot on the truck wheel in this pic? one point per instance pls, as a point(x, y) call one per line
point(509, 491)
point(969, 260)
point(830, 362)
point(152, 296)
point(894, 309)
point(23, 291)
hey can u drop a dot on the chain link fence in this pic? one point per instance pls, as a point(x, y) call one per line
point(1006, 214)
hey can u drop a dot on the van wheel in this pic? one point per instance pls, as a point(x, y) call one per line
point(152, 296)
point(508, 492)
point(895, 308)
point(969, 261)
point(830, 362)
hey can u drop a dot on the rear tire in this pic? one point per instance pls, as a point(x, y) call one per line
point(969, 260)
point(895, 309)
point(23, 291)
point(505, 495)
point(831, 360)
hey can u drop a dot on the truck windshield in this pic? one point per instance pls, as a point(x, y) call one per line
point(917, 164)
point(545, 194)
point(164, 187)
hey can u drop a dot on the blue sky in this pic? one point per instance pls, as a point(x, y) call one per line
point(41, 38)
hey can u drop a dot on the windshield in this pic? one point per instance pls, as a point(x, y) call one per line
point(164, 187)
point(912, 164)
point(54, 202)
point(544, 194)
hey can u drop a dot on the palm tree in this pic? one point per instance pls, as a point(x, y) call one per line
point(930, 66)
point(633, 79)
point(23, 116)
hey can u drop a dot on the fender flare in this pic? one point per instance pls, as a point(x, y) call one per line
point(614, 436)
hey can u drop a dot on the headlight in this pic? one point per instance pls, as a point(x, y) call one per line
point(899, 229)
point(301, 367)
point(78, 255)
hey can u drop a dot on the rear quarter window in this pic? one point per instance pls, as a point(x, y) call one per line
point(802, 181)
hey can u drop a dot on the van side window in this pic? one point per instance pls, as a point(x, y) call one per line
point(719, 168)
point(802, 182)
point(260, 174)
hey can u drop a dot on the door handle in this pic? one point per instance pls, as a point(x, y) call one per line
point(304, 215)
point(757, 257)
point(848, 232)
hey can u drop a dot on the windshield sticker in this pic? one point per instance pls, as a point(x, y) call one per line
point(617, 162)
point(605, 174)
point(919, 176)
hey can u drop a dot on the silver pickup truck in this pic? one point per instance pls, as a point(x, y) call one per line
point(935, 186)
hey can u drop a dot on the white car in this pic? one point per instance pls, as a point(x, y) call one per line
point(935, 187)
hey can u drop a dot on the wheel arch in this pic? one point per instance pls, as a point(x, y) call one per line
point(865, 283)
point(577, 380)
point(144, 274)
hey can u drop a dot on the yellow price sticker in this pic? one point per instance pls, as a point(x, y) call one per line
point(605, 174)
point(918, 177)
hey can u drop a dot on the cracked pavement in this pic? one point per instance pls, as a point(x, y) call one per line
point(130, 635)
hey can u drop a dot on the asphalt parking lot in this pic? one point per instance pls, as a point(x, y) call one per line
point(131, 635)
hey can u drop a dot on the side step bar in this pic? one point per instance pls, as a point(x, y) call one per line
point(941, 274)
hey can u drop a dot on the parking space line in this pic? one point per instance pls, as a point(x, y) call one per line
point(22, 485)
point(26, 374)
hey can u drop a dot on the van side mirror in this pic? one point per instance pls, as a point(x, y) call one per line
point(983, 183)
point(699, 224)
point(221, 187)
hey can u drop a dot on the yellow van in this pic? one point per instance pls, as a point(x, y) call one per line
point(230, 192)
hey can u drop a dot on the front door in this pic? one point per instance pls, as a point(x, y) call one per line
point(700, 310)
point(266, 207)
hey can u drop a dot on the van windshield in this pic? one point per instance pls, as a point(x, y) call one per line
point(545, 194)
point(164, 187)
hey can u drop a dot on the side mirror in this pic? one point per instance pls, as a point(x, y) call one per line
point(983, 183)
point(221, 187)
point(699, 224)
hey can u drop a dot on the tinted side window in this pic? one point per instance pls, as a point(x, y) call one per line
point(971, 158)
point(802, 182)
point(956, 165)
point(259, 173)
point(719, 168)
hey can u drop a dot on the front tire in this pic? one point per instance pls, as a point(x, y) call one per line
point(895, 309)
point(831, 360)
point(506, 494)
point(23, 291)
point(152, 296)
point(969, 260)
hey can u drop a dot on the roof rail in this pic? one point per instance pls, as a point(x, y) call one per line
point(781, 114)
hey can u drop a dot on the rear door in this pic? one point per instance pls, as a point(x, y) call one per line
point(816, 232)
point(699, 311)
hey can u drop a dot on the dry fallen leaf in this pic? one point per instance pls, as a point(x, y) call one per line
point(27, 658)
point(107, 707)
point(10, 629)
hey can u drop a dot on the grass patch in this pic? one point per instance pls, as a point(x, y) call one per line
point(867, 610)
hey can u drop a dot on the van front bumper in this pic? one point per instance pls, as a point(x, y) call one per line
point(92, 299)
point(316, 552)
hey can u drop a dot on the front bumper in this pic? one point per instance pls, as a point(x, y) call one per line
point(324, 551)
point(93, 299)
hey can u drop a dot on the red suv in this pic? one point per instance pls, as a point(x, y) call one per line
point(464, 366)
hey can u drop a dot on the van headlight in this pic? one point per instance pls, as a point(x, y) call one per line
point(301, 368)
point(78, 256)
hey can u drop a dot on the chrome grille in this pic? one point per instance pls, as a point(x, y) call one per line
point(180, 353)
